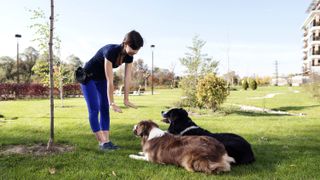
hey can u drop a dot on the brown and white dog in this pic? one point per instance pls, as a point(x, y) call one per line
point(194, 153)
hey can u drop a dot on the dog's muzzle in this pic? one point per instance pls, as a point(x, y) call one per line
point(165, 117)
point(134, 130)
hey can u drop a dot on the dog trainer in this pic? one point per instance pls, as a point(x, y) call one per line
point(98, 89)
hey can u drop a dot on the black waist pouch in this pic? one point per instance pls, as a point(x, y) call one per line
point(81, 76)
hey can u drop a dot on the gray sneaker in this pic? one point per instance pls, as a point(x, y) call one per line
point(108, 146)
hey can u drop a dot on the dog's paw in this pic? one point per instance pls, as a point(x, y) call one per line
point(138, 157)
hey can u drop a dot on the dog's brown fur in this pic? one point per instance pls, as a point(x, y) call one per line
point(194, 153)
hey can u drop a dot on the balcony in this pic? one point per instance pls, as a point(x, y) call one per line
point(316, 53)
point(317, 38)
point(316, 23)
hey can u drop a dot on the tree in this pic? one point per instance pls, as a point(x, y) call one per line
point(196, 64)
point(41, 69)
point(139, 73)
point(244, 84)
point(51, 140)
point(263, 81)
point(30, 57)
point(253, 84)
point(7, 68)
point(42, 30)
point(73, 63)
point(172, 77)
point(41, 27)
point(232, 77)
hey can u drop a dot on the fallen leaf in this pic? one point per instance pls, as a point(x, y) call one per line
point(52, 170)
point(113, 173)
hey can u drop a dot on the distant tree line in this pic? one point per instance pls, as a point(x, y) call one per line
point(33, 68)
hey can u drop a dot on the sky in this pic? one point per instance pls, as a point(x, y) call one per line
point(245, 36)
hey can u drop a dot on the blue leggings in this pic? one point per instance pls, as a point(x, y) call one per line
point(95, 94)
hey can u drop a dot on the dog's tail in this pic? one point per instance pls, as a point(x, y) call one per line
point(223, 165)
point(207, 166)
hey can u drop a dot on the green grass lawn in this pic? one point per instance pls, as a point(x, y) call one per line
point(286, 147)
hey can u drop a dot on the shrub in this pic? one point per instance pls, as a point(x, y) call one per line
point(244, 84)
point(313, 87)
point(211, 91)
point(72, 90)
point(253, 84)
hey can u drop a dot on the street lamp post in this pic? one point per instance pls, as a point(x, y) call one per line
point(18, 36)
point(152, 48)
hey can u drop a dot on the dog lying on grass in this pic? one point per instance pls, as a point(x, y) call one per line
point(236, 146)
point(194, 153)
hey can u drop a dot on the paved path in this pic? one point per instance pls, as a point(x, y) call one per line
point(268, 96)
point(263, 110)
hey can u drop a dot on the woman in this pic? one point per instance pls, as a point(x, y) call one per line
point(98, 91)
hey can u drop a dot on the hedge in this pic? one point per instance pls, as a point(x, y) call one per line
point(25, 90)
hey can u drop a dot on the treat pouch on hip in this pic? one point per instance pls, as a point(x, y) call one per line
point(81, 76)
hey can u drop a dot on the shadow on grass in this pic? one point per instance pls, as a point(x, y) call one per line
point(59, 106)
point(43, 117)
point(295, 108)
point(270, 157)
point(125, 107)
point(4, 119)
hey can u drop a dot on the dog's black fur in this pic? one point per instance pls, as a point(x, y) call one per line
point(236, 146)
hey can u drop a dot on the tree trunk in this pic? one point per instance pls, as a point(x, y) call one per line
point(61, 85)
point(61, 92)
point(51, 140)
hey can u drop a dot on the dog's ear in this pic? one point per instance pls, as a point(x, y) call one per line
point(183, 112)
point(153, 124)
point(144, 127)
point(140, 129)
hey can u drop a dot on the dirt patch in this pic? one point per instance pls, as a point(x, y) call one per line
point(37, 149)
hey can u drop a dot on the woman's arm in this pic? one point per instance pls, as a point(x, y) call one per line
point(127, 79)
point(127, 82)
point(109, 76)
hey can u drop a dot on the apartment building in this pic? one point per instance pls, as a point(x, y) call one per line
point(311, 39)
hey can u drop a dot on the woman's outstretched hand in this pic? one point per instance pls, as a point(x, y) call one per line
point(116, 108)
point(129, 104)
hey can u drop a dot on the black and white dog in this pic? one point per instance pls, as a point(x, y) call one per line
point(236, 146)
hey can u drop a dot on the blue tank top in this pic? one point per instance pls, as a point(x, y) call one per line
point(110, 52)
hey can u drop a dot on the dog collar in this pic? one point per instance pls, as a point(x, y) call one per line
point(188, 129)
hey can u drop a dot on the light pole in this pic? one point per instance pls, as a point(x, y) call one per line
point(152, 48)
point(18, 36)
